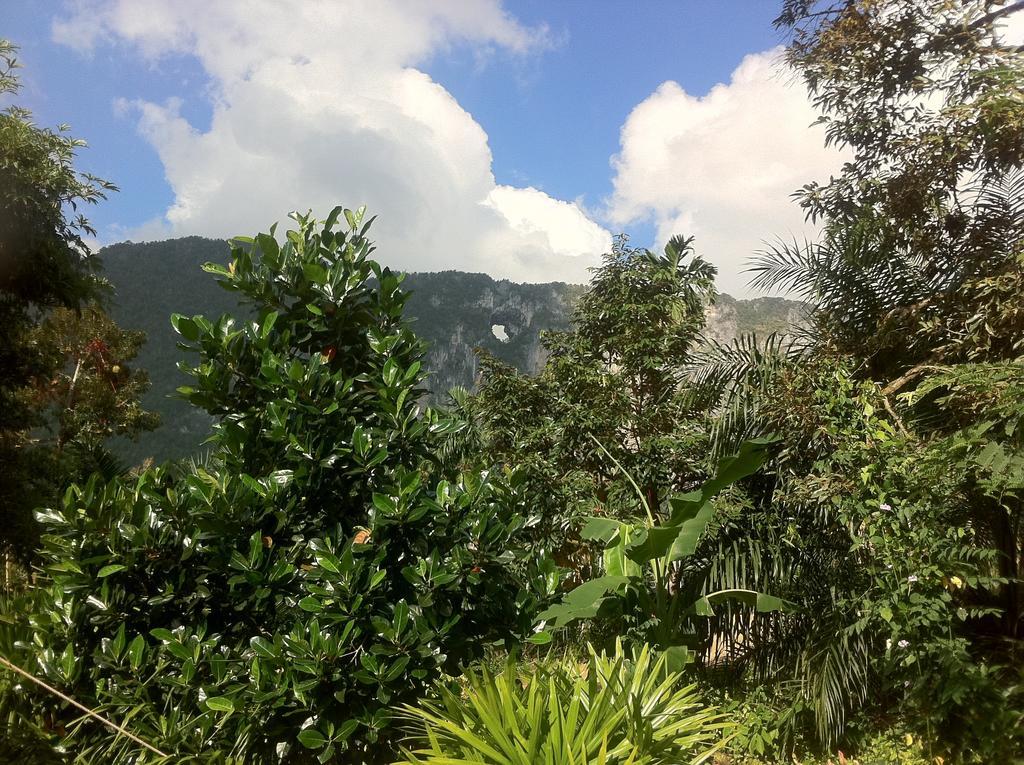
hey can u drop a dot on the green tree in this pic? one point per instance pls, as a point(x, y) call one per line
point(275, 603)
point(922, 262)
point(94, 393)
point(45, 265)
point(881, 513)
point(612, 382)
point(920, 259)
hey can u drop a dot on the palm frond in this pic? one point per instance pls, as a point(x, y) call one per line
point(729, 379)
point(834, 672)
point(745, 360)
point(788, 267)
point(855, 276)
point(458, 430)
point(108, 464)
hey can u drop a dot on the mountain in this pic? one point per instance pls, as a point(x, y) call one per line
point(455, 312)
point(729, 318)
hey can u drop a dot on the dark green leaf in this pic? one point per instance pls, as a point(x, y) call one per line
point(311, 738)
point(220, 704)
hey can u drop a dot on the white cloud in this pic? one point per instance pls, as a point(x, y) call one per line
point(722, 166)
point(548, 225)
point(321, 103)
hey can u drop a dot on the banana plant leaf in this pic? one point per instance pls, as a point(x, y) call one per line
point(585, 601)
point(628, 546)
point(746, 461)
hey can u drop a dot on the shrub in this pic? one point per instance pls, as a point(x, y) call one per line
point(619, 708)
point(275, 603)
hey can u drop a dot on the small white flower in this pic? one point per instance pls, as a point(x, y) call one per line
point(885, 506)
point(888, 645)
point(912, 578)
point(903, 643)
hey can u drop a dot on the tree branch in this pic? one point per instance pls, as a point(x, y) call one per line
point(895, 417)
point(906, 377)
point(995, 15)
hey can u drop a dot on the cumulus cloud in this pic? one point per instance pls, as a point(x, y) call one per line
point(549, 226)
point(320, 103)
point(722, 166)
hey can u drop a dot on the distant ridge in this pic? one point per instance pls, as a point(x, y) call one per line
point(454, 311)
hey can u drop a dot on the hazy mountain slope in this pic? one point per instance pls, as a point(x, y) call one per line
point(455, 312)
point(729, 318)
point(151, 281)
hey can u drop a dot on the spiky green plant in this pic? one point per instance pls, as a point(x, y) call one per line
point(623, 707)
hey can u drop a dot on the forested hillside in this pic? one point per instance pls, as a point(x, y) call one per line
point(455, 312)
point(671, 529)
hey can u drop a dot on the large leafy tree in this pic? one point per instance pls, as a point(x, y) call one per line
point(50, 384)
point(920, 260)
point(275, 603)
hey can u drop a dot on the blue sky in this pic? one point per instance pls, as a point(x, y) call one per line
point(510, 138)
point(562, 121)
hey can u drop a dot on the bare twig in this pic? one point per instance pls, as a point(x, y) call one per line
point(895, 417)
point(72, 702)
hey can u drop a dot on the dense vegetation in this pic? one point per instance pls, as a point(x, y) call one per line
point(659, 548)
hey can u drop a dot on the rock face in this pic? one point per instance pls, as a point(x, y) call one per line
point(729, 318)
point(458, 312)
point(454, 311)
